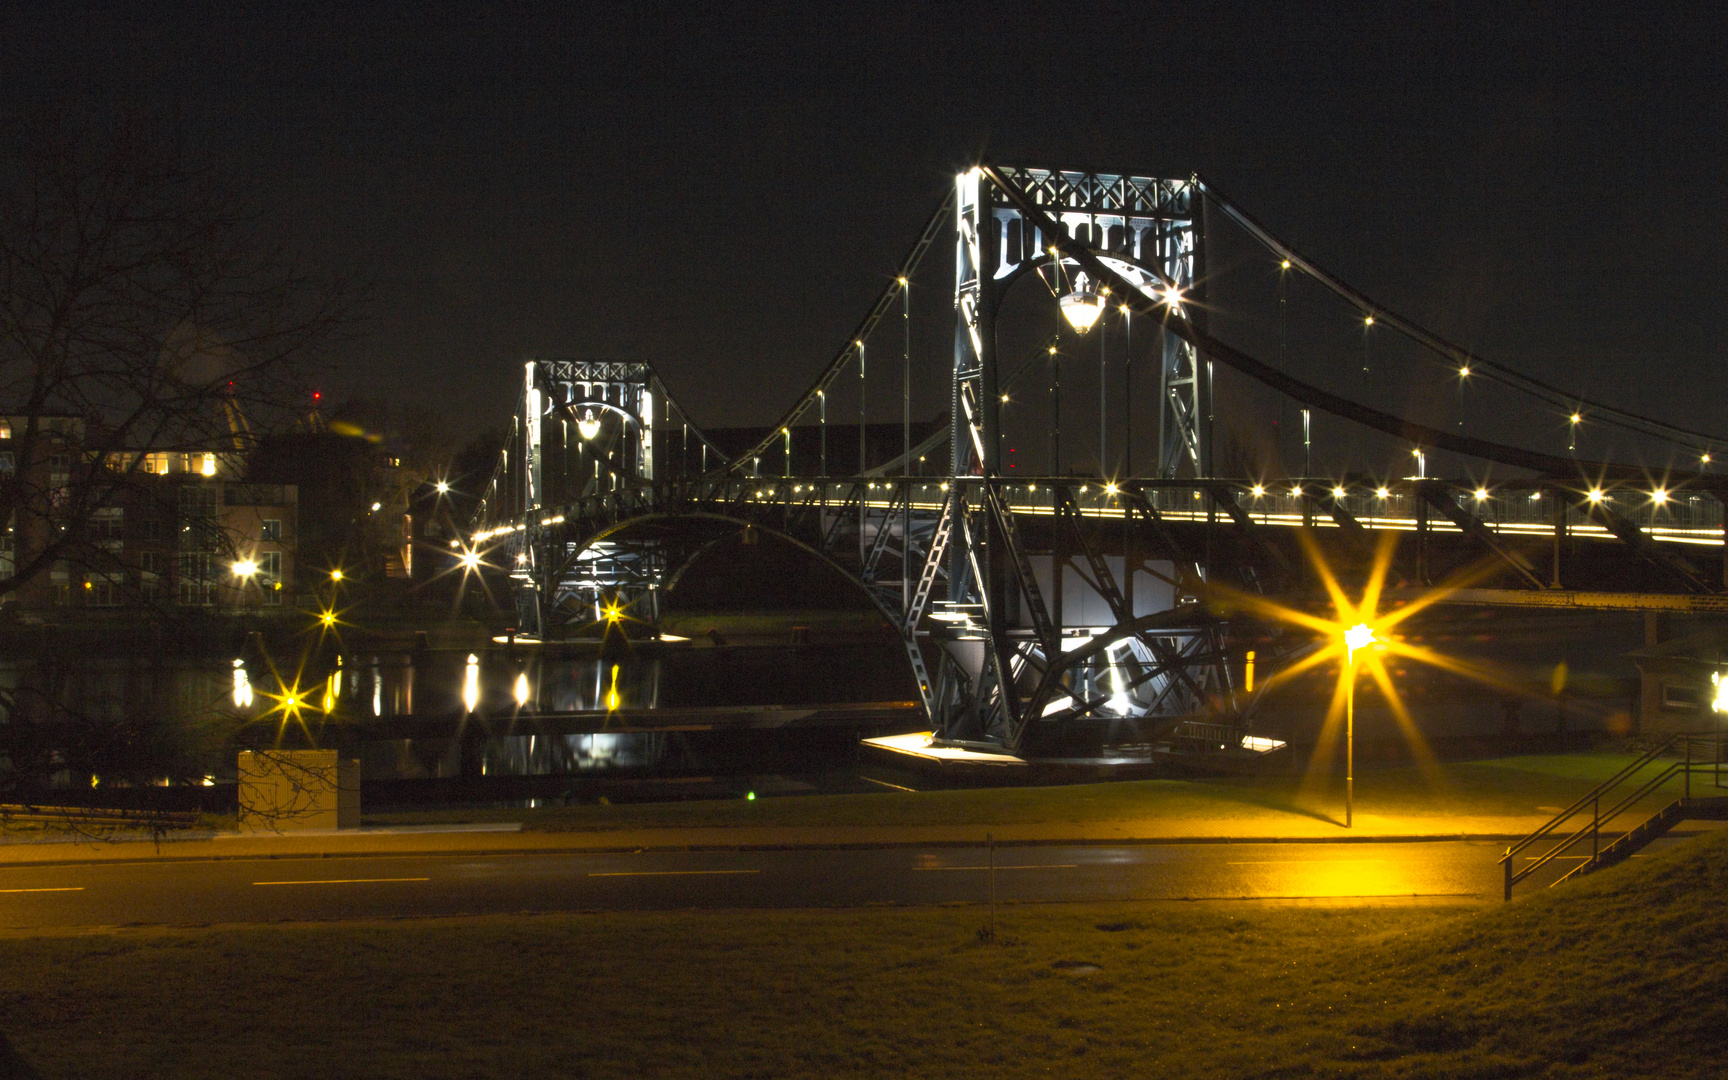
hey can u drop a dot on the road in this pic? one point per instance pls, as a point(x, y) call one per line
point(247, 890)
point(267, 890)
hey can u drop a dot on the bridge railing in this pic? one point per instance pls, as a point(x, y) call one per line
point(1521, 507)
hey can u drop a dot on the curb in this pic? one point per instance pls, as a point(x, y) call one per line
point(631, 849)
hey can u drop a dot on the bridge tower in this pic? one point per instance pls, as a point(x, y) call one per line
point(1141, 227)
point(587, 432)
point(1025, 654)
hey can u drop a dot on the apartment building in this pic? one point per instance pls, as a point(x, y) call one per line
point(157, 528)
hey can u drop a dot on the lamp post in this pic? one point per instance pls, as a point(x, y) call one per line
point(1357, 637)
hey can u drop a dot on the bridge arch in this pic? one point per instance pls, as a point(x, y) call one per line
point(683, 536)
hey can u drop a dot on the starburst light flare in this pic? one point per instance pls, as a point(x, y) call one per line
point(1359, 636)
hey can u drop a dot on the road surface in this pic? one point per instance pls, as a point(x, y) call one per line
point(248, 890)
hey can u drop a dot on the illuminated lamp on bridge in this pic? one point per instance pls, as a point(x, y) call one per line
point(1081, 307)
point(589, 425)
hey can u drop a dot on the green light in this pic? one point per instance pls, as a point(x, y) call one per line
point(750, 797)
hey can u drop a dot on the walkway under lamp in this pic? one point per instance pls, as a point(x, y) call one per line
point(589, 425)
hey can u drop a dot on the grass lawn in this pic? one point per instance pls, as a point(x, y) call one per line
point(1509, 786)
point(1624, 974)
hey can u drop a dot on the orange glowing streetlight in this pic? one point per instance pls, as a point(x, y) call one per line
point(1357, 625)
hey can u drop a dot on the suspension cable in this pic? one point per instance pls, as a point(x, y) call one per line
point(1303, 392)
point(884, 303)
point(1464, 359)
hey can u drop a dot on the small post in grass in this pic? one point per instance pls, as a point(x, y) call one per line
point(990, 841)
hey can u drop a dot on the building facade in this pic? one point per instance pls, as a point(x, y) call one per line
point(149, 528)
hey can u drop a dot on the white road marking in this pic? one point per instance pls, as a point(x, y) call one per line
point(1027, 866)
point(667, 873)
point(342, 881)
point(63, 888)
point(1309, 862)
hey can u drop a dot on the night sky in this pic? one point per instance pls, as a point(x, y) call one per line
point(722, 189)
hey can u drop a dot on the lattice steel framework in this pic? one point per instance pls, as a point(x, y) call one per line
point(1141, 227)
point(1012, 663)
point(1037, 607)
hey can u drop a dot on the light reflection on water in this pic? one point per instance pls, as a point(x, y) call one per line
point(499, 684)
point(196, 707)
point(522, 755)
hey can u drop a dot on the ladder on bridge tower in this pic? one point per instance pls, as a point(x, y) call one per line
point(926, 582)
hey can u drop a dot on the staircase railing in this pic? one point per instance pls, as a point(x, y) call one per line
point(1591, 803)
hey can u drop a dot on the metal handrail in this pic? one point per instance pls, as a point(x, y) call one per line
point(1597, 817)
point(1595, 793)
point(1595, 847)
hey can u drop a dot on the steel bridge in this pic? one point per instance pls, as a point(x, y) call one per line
point(1043, 611)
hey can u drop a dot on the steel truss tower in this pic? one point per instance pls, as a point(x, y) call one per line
point(1032, 614)
point(588, 430)
point(1141, 227)
point(1017, 663)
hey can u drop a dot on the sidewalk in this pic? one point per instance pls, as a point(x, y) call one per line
point(507, 838)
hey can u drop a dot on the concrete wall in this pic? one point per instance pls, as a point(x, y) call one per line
point(288, 790)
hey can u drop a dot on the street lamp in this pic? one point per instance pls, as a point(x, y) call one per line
point(1082, 306)
point(1357, 637)
point(588, 426)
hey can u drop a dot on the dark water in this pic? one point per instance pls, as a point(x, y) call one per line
point(460, 723)
point(431, 714)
